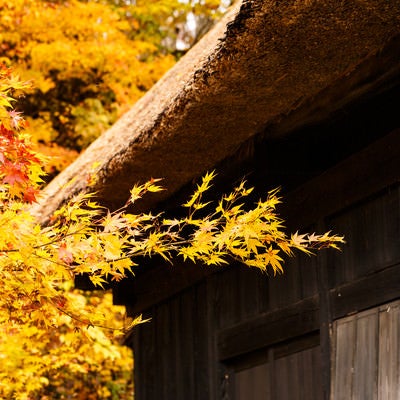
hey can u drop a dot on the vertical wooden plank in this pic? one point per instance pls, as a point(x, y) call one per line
point(248, 291)
point(385, 228)
point(263, 296)
point(253, 383)
point(389, 352)
point(391, 248)
point(179, 348)
point(306, 372)
point(201, 345)
point(240, 385)
point(164, 353)
point(317, 377)
point(366, 356)
point(283, 380)
point(187, 335)
point(262, 387)
point(286, 288)
point(307, 267)
point(227, 283)
point(144, 361)
point(138, 373)
point(349, 224)
point(214, 373)
point(343, 366)
point(294, 385)
point(309, 370)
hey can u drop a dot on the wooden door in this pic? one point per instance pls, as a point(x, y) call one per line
point(290, 376)
point(366, 359)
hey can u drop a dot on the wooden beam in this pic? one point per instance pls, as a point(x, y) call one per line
point(270, 328)
point(377, 288)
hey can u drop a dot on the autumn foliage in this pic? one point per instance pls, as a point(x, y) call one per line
point(90, 61)
point(42, 356)
point(57, 342)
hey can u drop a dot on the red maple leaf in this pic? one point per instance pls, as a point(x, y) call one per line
point(30, 195)
point(14, 173)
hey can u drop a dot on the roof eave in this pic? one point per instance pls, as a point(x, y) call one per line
point(264, 68)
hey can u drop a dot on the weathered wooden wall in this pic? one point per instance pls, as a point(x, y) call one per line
point(242, 335)
point(179, 352)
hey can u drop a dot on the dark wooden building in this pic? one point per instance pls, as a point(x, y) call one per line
point(329, 327)
point(300, 94)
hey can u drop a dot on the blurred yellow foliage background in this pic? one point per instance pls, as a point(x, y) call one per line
point(90, 61)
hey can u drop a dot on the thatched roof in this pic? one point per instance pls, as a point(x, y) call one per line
point(268, 67)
